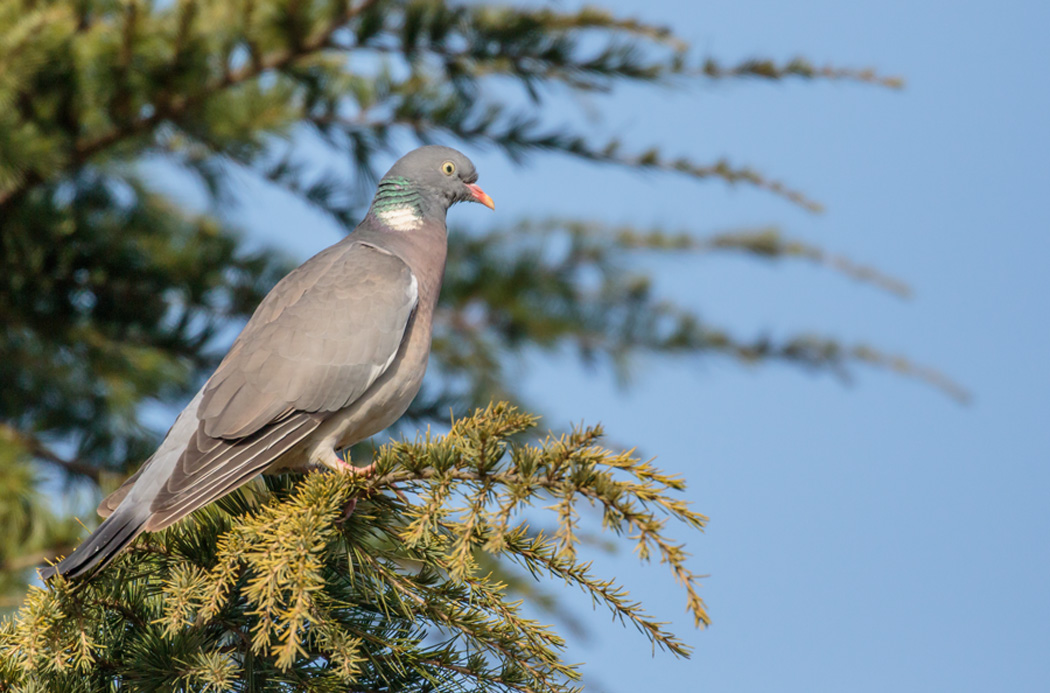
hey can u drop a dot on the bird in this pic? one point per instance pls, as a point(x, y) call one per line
point(333, 354)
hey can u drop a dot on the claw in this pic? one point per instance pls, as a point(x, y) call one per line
point(367, 470)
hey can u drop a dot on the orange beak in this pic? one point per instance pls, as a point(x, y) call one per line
point(480, 196)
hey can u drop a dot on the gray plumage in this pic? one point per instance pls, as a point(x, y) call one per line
point(335, 353)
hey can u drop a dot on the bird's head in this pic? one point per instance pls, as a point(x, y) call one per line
point(432, 175)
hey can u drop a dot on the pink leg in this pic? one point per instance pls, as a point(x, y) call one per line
point(359, 471)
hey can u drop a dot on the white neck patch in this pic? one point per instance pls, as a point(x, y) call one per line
point(401, 218)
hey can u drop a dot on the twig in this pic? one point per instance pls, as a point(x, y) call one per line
point(37, 448)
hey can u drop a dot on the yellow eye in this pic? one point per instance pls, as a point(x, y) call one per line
point(448, 168)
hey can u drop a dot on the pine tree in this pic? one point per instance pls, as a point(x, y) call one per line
point(113, 297)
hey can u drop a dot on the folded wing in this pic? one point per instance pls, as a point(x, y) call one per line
point(315, 345)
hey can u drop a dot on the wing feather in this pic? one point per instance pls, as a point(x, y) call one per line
point(317, 342)
point(225, 467)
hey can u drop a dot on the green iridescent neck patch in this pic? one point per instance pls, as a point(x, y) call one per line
point(397, 192)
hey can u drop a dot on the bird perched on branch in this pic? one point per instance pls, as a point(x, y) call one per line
point(335, 353)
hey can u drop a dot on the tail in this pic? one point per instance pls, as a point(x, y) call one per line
point(102, 546)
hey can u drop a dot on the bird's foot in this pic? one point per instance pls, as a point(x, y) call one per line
point(336, 463)
point(365, 471)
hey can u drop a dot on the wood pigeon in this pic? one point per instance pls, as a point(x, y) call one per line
point(335, 353)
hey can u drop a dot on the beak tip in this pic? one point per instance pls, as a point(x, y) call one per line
point(481, 196)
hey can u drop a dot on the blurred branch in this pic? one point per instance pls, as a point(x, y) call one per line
point(905, 366)
point(38, 449)
point(767, 242)
point(822, 353)
point(31, 560)
point(797, 67)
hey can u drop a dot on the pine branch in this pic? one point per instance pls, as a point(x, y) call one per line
point(595, 238)
point(797, 67)
point(770, 244)
point(176, 106)
point(33, 560)
point(393, 599)
point(828, 354)
point(37, 448)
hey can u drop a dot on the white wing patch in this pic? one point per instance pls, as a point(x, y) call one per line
point(401, 218)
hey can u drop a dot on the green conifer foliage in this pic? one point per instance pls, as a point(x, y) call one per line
point(275, 589)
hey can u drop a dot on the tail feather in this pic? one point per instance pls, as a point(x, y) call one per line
point(110, 502)
point(101, 547)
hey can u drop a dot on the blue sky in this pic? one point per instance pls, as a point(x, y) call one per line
point(864, 538)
